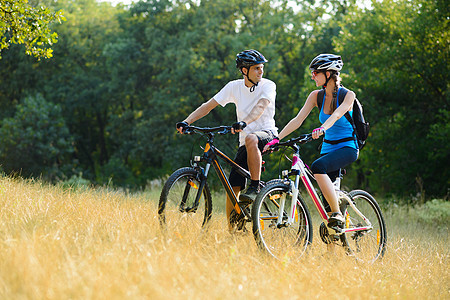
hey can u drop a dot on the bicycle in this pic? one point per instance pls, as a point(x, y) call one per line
point(282, 226)
point(185, 202)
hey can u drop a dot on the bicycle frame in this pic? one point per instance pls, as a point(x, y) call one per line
point(299, 169)
point(211, 156)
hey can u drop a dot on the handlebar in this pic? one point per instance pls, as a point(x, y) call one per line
point(302, 139)
point(220, 129)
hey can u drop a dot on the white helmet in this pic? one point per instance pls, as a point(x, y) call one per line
point(327, 62)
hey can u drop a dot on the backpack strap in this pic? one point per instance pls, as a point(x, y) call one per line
point(342, 93)
point(347, 114)
point(341, 98)
point(320, 98)
point(334, 142)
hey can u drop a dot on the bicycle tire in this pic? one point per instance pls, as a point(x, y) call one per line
point(287, 239)
point(370, 245)
point(184, 217)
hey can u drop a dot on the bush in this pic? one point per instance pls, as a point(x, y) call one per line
point(435, 212)
point(36, 141)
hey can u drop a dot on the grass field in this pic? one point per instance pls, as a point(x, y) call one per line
point(63, 243)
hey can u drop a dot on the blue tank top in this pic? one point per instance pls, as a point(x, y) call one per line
point(340, 129)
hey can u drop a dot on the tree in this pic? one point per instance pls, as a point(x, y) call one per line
point(397, 54)
point(76, 79)
point(36, 141)
point(22, 23)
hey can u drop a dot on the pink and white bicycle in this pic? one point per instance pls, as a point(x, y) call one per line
point(282, 223)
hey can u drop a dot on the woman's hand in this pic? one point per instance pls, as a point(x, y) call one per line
point(271, 143)
point(318, 132)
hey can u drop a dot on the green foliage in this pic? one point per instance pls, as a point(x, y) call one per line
point(397, 58)
point(23, 23)
point(123, 76)
point(434, 213)
point(36, 140)
point(75, 182)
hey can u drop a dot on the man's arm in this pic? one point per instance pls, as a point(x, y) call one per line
point(257, 111)
point(254, 115)
point(201, 111)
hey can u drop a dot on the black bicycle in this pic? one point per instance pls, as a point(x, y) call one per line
point(185, 203)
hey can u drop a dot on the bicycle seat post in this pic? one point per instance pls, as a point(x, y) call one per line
point(337, 182)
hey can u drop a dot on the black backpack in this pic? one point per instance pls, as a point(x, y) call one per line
point(360, 126)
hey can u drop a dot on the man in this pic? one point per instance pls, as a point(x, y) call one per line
point(254, 97)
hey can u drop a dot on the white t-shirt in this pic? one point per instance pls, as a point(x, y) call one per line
point(236, 92)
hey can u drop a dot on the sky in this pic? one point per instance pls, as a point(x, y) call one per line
point(363, 3)
point(114, 2)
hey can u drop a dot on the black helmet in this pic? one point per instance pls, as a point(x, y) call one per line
point(327, 62)
point(248, 58)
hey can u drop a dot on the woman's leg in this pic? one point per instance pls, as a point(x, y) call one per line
point(327, 188)
point(331, 162)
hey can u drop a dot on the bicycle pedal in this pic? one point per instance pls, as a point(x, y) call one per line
point(245, 201)
point(337, 230)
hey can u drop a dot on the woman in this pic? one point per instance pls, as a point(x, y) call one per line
point(340, 147)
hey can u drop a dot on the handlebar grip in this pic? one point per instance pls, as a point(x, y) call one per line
point(188, 130)
point(225, 130)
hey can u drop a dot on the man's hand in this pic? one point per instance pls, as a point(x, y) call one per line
point(238, 126)
point(181, 126)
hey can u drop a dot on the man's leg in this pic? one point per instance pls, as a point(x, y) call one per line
point(254, 143)
point(254, 158)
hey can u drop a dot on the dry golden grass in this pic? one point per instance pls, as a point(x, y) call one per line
point(100, 244)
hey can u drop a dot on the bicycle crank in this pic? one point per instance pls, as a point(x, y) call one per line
point(328, 235)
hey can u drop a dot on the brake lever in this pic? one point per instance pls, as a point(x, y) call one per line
point(188, 131)
point(224, 131)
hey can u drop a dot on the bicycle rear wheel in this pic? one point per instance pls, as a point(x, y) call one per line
point(367, 245)
point(282, 239)
point(177, 208)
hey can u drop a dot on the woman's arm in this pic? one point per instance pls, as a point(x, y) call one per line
point(297, 121)
point(340, 111)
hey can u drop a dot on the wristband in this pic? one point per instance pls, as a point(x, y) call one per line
point(320, 128)
point(239, 125)
point(182, 124)
point(275, 141)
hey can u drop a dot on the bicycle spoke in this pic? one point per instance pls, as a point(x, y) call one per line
point(366, 243)
point(275, 235)
point(178, 211)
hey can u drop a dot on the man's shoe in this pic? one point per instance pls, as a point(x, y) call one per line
point(249, 195)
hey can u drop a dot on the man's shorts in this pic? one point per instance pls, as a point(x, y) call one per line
point(241, 158)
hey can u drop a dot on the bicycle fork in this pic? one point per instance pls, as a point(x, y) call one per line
point(289, 218)
point(292, 193)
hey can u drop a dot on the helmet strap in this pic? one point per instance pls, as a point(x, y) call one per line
point(327, 79)
point(252, 88)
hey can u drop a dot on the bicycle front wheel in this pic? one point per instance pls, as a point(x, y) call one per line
point(276, 235)
point(369, 244)
point(178, 210)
